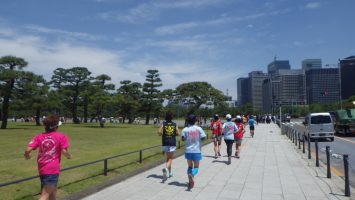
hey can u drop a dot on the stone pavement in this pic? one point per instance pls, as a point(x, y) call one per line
point(269, 168)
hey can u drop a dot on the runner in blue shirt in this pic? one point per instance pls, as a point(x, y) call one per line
point(251, 123)
point(193, 135)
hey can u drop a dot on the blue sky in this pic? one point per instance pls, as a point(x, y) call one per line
point(216, 41)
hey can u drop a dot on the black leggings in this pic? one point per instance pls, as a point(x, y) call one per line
point(229, 144)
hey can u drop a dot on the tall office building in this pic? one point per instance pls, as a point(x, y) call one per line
point(256, 79)
point(289, 88)
point(243, 91)
point(277, 65)
point(267, 96)
point(311, 64)
point(322, 85)
point(347, 76)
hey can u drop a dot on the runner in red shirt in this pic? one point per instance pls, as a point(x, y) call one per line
point(216, 128)
point(238, 136)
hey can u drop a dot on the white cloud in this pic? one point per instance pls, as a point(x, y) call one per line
point(183, 27)
point(313, 5)
point(188, 3)
point(143, 12)
point(176, 28)
point(181, 45)
point(151, 10)
point(43, 57)
point(62, 33)
point(297, 43)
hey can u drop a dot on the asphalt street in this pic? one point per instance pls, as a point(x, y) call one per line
point(340, 146)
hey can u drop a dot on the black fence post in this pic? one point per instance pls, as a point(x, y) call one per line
point(309, 147)
point(295, 137)
point(329, 174)
point(140, 156)
point(299, 141)
point(105, 167)
point(346, 173)
point(317, 158)
point(304, 149)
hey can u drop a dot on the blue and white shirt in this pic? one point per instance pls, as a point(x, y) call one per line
point(229, 128)
point(193, 135)
point(251, 122)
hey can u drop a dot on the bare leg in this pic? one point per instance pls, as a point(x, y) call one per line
point(215, 147)
point(169, 160)
point(238, 148)
point(48, 192)
point(219, 147)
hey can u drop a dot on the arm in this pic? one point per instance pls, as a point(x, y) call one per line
point(66, 153)
point(28, 153)
point(202, 134)
point(177, 131)
point(183, 135)
point(160, 130)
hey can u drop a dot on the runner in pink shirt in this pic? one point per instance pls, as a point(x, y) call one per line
point(51, 145)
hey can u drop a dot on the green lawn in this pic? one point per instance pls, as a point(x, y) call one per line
point(87, 143)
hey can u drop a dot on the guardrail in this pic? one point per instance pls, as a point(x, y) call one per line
point(296, 137)
point(104, 160)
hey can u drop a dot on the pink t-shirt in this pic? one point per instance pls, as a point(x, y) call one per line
point(50, 148)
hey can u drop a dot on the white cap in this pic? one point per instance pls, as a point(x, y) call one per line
point(228, 116)
point(238, 117)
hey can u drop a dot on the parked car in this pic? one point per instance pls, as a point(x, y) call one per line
point(319, 126)
point(286, 118)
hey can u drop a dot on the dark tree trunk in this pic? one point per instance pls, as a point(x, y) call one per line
point(38, 114)
point(75, 107)
point(147, 117)
point(86, 104)
point(6, 105)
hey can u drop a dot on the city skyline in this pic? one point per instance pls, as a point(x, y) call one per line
point(217, 41)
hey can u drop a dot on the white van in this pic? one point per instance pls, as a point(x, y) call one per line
point(319, 126)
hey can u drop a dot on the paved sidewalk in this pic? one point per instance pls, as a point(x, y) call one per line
point(269, 168)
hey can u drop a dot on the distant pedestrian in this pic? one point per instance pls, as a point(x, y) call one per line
point(51, 145)
point(168, 130)
point(238, 136)
point(229, 128)
point(193, 135)
point(102, 122)
point(251, 123)
point(216, 128)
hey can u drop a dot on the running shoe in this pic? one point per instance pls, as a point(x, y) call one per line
point(229, 160)
point(165, 174)
point(219, 154)
point(171, 174)
point(216, 156)
point(191, 181)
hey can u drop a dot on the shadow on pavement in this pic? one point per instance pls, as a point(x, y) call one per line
point(220, 161)
point(155, 176)
point(207, 156)
point(176, 183)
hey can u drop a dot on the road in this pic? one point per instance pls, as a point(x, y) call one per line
point(340, 146)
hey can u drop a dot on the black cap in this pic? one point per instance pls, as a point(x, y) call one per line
point(191, 119)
